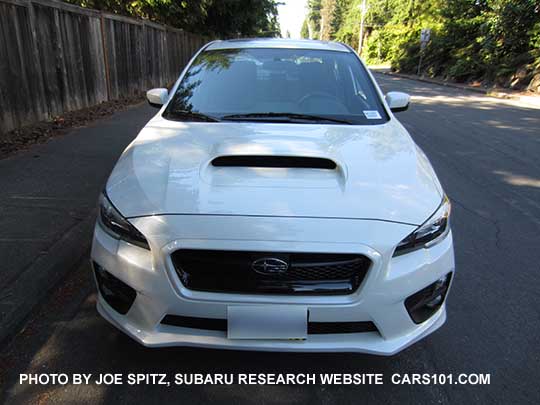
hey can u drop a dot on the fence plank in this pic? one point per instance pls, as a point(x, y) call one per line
point(56, 57)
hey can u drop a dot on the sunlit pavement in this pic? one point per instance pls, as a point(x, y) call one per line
point(504, 96)
point(487, 154)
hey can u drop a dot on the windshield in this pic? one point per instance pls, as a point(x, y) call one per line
point(277, 85)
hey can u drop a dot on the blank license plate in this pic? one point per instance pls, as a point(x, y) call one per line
point(267, 322)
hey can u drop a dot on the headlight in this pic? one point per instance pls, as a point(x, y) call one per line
point(117, 226)
point(429, 233)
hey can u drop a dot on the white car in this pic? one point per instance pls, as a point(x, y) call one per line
point(274, 203)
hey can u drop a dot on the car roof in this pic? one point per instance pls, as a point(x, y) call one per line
point(278, 43)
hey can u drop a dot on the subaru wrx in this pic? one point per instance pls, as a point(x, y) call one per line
point(274, 202)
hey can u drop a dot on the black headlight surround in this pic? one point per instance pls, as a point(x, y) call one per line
point(117, 226)
point(429, 233)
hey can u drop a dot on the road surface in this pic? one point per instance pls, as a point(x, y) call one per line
point(487, 155)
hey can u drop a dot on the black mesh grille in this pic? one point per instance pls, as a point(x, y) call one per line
point(307, 273)
point(335, 271)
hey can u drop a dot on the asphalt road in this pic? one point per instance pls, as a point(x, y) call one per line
point(47, 209)
point(487, 155)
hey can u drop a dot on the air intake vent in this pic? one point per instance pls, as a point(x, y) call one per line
point(274, 161)
point(314, 328)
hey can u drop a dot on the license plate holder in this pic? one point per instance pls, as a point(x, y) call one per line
point(267, 322)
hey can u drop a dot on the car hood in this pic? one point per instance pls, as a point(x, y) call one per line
point(379, 173)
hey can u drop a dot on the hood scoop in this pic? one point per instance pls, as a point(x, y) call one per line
point(272, 161)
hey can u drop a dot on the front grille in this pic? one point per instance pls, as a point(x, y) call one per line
point(314, 328)
point(233, 272)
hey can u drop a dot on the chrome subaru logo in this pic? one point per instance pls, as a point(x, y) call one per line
point(269, 266)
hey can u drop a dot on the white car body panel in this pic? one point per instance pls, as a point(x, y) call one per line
point(283, 43)
point(380, 174)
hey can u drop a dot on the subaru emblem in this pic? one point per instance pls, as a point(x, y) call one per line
point(269, 266)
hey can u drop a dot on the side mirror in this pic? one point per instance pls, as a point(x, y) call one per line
point(157, 97)
point(397, 101)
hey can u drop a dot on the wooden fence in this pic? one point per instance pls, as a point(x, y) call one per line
point(57, 57)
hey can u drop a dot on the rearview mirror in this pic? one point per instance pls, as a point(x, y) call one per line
point(397, 101)
point(157, 97)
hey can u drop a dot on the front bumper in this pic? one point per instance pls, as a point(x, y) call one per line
point(380, 298)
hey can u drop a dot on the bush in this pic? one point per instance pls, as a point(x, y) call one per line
point(471, 40)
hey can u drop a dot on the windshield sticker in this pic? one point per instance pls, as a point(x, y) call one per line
point(372, 115)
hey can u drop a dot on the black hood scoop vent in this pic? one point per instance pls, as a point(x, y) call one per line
point(274, 161)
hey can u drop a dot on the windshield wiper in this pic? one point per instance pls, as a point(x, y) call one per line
point(281, 117)
point(184, 115)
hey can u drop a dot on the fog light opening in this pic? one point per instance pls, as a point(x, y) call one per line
point(114, 291)
point(435, 302)
point(424, 303)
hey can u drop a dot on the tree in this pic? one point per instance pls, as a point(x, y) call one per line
point(471, 39)
point(304, 31)
point(244, 17)
point(327, 12)
point(215, 18)
point(338, 16)
point(314, 17)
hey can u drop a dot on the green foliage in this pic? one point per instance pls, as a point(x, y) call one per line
point(215, 18)
point(314, 17)
point(483, 41)
point(534, 44)
point(470, 39)
point(338, 15)
point(304, 31)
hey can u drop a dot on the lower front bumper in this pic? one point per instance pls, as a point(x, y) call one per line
point(369, 343)
point(380, 298)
